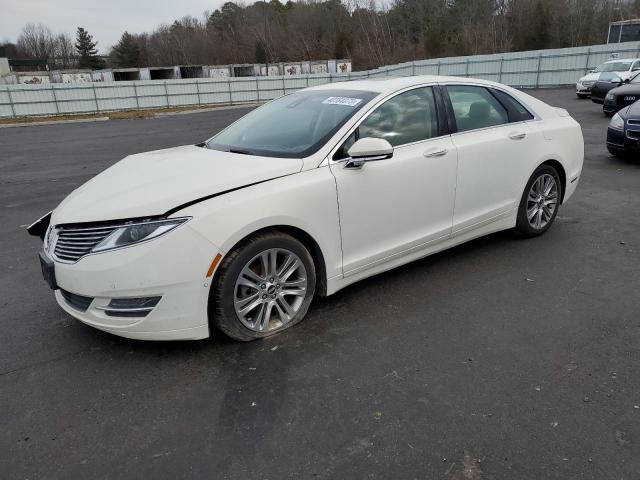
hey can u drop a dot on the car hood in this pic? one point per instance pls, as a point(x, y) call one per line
point(633, 111)
point(628, 89)
point(590, 77)
point(152, 183)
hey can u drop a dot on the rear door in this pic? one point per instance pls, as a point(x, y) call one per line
point(495, 145)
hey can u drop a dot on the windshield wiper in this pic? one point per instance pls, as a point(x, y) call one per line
point(241, 152)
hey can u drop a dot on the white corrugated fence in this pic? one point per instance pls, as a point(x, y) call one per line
point(533, 69)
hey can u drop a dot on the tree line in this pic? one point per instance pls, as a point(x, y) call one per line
point(363, 30)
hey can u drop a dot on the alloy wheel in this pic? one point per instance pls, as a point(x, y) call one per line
point(270, 290)
point(542, 201)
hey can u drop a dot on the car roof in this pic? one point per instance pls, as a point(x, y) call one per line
point(385, 85)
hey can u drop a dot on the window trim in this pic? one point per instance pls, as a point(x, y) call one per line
point(443, 129)
point(452, 118)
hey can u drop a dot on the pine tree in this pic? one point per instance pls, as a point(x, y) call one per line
point(126, 53)
point(87, 52)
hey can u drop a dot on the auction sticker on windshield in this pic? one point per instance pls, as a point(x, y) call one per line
point(348, 101)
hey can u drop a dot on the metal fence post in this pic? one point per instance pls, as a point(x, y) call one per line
point(500, 74)
point(538, 70)
point(135, 94)
point(198, 92)
point(257, 90)
point(229, 88)
point(413, 67)
point(284, 86)
point(466, 68)
point(438, 71)
point(13, 110)
point(586, 67)
point(166, 93)
point(55, 99)
point(95, 96)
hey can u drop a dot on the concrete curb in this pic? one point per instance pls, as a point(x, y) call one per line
point(198, 110)
point(54, 122)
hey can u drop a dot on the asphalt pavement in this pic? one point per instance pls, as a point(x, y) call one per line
point(504, 358)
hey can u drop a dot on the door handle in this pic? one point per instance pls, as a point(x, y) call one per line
point(517, 135)
point(436, 152)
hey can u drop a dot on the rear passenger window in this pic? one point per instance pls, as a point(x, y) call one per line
point(476, 107)
point(517, 112)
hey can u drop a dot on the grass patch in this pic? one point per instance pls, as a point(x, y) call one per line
point(120, 115)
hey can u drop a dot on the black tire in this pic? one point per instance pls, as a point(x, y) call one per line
point(522, 223)
point(582, 96)
point(221, 298)
point(609, 114)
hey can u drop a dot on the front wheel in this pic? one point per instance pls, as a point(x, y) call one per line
point(540, 202)
point(264, 286)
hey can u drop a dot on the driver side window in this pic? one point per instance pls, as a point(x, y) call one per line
point(636, 66)
point(406, 118)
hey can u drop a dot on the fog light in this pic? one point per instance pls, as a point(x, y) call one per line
point(130, 307)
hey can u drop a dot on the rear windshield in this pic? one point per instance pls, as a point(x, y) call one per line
point(293, 126)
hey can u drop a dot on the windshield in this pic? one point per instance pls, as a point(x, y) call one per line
point(614, 67)
point(610, 77)
point(294, 126)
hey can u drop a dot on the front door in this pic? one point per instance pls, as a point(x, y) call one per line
point(396, 206)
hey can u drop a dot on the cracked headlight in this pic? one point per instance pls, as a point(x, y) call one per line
point(130, 234)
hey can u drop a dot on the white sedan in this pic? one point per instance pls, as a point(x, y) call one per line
point(302, 197)
point(623, 68)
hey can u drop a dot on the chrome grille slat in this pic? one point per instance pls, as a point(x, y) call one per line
point(83, 235)
point(64, 241)
point(74, 243)
point(73, 250)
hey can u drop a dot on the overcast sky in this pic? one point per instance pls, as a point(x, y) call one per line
point(105, 19)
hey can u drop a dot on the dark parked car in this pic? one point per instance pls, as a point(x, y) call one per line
point(623, 134)
point(623, 96)
point(606, 83)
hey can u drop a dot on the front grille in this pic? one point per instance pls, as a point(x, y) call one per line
point(633, 134)
point(633, 122)
point(74, 243)
point(77, 302)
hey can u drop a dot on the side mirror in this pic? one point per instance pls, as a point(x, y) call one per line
point(368, 150)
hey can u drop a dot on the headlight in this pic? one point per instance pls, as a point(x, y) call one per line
point(610, 96)
point(617, 122)
point(132, 233)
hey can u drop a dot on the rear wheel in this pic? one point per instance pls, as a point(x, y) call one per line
point(540, 202)
point(263, 287)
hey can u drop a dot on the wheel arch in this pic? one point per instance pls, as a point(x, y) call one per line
point(557, 166)
point(309, 243)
